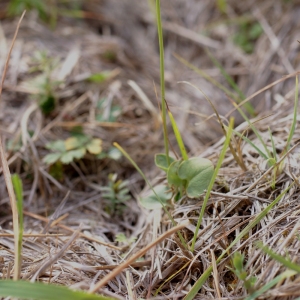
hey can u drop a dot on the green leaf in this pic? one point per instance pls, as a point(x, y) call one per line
point(172, 174)
point(255, 31)
point(222, 5)
point(14, 144)
point(58, 145)
point(40, 291)
point(114, 153)
point(198, 172)
point(161, 161)
point(94, 146)
point(18, 187)
point(178, 136)
point(69, 156)
point(270, 284)
point(151, 202)
point(284, 261)
point(238, 261)
point(47, 103)
point(271, 162)
point(99, 77)
point(76, 141)
point(51, 158)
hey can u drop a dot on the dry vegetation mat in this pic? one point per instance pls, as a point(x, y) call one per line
point(91, 204)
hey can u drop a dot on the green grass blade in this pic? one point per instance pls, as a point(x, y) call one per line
point(270, 284)
point(151, 187)
point(237, 158)
point(288, 142)
point(231, 82)
point(162, 78)
point(18, 188)
point(207, 77)
point(199, 283)
point(40, 291)
point(218, 166)
point(178, 137)
point(273, 145)
point(250, 143)
point(286, 262)
point(253, 128)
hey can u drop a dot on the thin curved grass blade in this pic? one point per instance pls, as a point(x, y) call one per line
point(41, 291)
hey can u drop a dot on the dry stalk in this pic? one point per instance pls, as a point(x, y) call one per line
point(134, 257)
point(6, 171)
point(72, 230)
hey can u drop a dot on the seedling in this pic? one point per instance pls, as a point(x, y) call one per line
point(112, 153)
point(248, 33)
point(115, 194)
point(106, 112)
point(271, 157)
point(191, 176)
point(44, 83)
point(241, 273)
point(72, 148)
point(121, 238)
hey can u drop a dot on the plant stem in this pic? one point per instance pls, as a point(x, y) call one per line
point(162, 79)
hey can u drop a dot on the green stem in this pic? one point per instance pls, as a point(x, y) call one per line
point(162, 78)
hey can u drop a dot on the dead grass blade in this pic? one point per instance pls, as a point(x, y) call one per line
point(134, 257)
point(6, 171)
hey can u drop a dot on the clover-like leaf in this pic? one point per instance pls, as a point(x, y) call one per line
point(72, 143)
point(58, 145)
point(161, 161)
point(69, 156)
point(198, 172)
point(94, 146)
point(51, 158)
point(151, 201)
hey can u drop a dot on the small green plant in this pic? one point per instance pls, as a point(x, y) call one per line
point(288, 263)
point(116, 193)
point(44, 82)
point(271, 156)
point(248, 33)
point(16, 7)
point(121, 238)
point(75, 147)
point(106, 112)
point(99, 77)
point(205, 275)
point(112, 153)
point(48, 10)
point(190, 176)
point(241, 273)
point(14, 144)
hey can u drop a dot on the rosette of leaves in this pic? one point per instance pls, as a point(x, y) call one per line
point(115, 194)
point(72, 148)
point(44, 82)
point(191, 177)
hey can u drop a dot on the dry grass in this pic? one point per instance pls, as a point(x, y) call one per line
point(76, 245)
